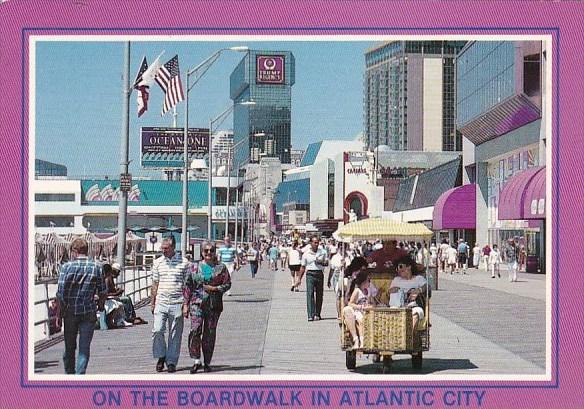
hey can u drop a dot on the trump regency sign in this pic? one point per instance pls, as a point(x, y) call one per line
point(270, 69)
point(162, 147)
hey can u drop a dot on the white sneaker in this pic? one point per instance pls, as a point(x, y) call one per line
point(228, 293)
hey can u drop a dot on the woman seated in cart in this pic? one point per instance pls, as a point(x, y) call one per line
point(412, 284)
point(360, 300)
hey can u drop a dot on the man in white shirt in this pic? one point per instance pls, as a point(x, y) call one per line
point(312, 264)
point(334, 278)
point(169, 272)
point(253, 256)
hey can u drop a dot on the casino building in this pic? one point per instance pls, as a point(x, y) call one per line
point(266, 78)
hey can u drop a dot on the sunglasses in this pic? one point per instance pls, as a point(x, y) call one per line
point(209, 250)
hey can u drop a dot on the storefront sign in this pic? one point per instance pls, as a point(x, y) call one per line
point(164, 147)
point(270, 69)
point(219, 212)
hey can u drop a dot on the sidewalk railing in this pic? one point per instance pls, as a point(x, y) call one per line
point(136, 286)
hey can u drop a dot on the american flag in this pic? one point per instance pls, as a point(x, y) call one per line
point(168, 77)
point(143, 93)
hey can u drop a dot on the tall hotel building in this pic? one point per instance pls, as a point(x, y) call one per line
point(409, 96)
point(266, 78)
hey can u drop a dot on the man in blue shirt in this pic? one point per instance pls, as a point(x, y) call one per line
point(228, 256)
point(79, 281)
point(462, 255)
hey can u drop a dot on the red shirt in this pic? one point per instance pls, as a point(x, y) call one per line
point(381, 256)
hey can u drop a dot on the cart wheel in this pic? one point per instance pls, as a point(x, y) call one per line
point(351, 359)
point(387, 362)
point(417, 361)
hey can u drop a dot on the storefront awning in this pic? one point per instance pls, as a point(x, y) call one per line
point(523, 197)
point(456, 209)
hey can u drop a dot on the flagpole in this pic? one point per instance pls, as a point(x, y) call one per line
point(185, 210)
point(125, 136)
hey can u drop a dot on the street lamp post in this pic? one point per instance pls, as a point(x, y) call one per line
point(230, 153)
point(217, 120)
point(198, 71)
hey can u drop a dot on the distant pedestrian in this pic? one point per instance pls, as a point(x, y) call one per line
point(494, 261)
point(451, 258)
point(227, 255)
point(443, 255)
point(273, 253)
point(79, 281)
point(169, 272)
point(510, 259)
point(462, 256)
point(522, 258)
point(312, 264)
point(486, 253)
point(476, 255)
point(294, 258)
point(334, 278)
point(283, 255)
point(253, 258)
point(433, 255)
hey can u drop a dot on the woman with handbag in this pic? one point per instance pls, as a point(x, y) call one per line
point(413, 285)
point(203, 300)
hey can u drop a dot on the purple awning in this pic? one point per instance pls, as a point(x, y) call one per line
point(456, 209)
point(523, 197)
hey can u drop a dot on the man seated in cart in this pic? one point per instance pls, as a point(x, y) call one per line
point(386, 256)
point(412, 286)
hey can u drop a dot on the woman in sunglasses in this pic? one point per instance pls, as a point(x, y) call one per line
point(203, 300)
point(412, 284)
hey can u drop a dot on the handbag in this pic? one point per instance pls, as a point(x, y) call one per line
point(215, 301)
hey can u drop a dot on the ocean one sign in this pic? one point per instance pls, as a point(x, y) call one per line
point(270, 69)
point(163, 147)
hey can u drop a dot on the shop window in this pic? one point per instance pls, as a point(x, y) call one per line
point(532, 75)
point(54, 221)
point(54, 197)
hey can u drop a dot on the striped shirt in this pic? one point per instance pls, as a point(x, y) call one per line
point(226, 254)
point(79, 281)
point(170, 274)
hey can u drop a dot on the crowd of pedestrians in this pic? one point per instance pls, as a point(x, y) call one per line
point(455, 258)
point(183, 289)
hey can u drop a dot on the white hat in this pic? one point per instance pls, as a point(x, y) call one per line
point(377, 246)
point(116, 266)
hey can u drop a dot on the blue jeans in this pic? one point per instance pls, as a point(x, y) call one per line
point(84, 325)
point(254, 268)
point(171, 313)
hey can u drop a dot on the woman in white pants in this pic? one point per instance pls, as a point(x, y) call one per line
point(494, 261)
point(476, 255)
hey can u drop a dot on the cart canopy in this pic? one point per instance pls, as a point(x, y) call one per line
point(383, 229)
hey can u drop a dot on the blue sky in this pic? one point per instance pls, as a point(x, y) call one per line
point(79, 104)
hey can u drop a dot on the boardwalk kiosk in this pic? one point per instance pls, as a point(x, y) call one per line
point(387, 330)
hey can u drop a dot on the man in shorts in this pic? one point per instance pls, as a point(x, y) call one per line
point(462, 256)
point(228, 256)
